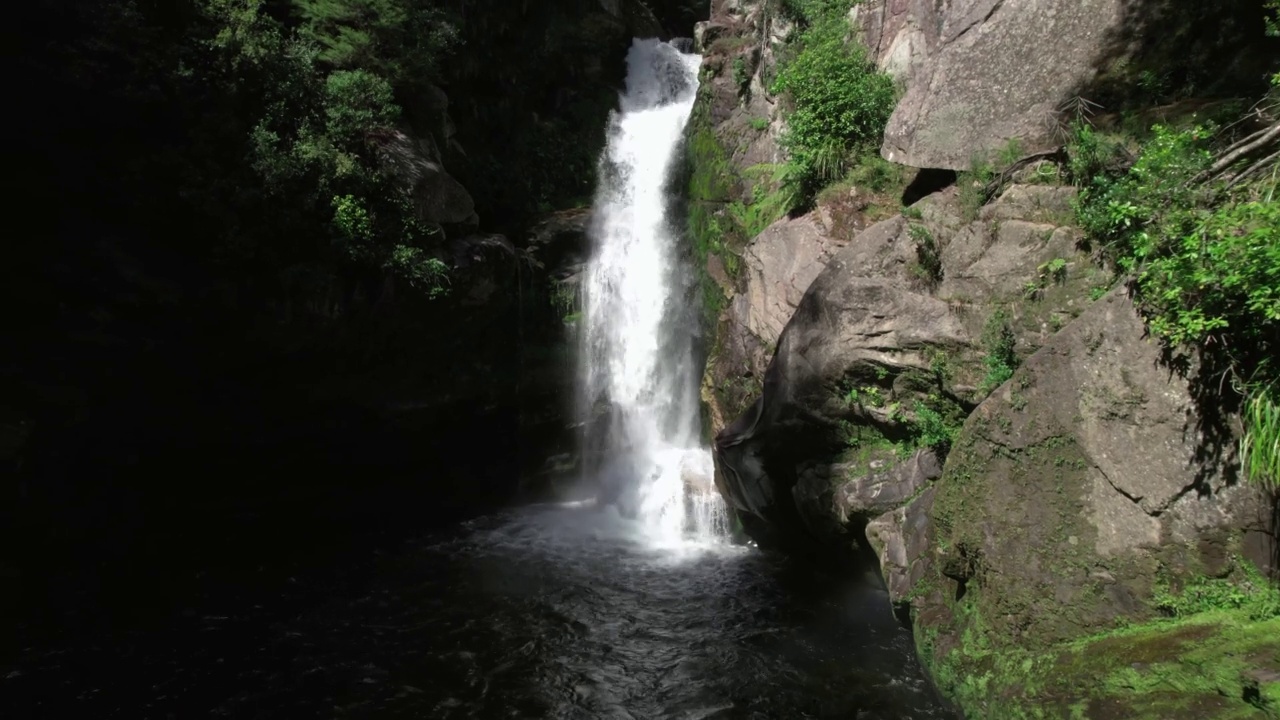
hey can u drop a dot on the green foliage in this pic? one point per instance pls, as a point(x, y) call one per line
point(1249, 591)
point(398, 39)
point(1054, 270)
point(1001, 358)
point(839, 101)
point(932, 430)
point(741, 75)
point(758, 124)
point(765, 207)
point(711, 185)
point(928, 265)
point(1260, 446)
point(1091, 154)
point(355, 103)
point(1205, 264)
point(876, 174)
point(420, 270)
point(972, 188)
point(1140, 212)
point(351, 219)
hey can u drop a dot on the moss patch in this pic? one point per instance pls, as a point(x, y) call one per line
point(1212, 665)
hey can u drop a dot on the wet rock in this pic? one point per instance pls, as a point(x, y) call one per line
point(901, 538)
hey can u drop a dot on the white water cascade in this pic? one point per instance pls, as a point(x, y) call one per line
point(640, 374)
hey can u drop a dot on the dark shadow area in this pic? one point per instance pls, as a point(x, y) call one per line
point(1275, 535)
point(197, 381)
point(678, 17)
point(927, 182)
point(1165, 50)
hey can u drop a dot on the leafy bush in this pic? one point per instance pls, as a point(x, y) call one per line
point(1205, 264)
point(1249, 592)
point(839, 102)
point(932, 430)
point(1001, 358)
point(1260, 447)
point(928, 265)
point(355, 102)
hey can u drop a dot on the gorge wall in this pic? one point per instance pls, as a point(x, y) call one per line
point(946, 372)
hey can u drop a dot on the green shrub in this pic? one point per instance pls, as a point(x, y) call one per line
point(1205, 263)
point(1001, 358)
point(1248, 591)
point(932, 430)
point(355, 102)
point(1260, 446)
point(928, 265)
point(839, 103)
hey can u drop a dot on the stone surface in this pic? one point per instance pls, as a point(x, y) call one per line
point(981, 72)
point(781, 263)
point(415, 163)
point(887, 485)
point(1073, 485)
point(901, 539)
point(870, 327)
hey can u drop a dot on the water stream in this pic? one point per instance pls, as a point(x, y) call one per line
point(640, 380)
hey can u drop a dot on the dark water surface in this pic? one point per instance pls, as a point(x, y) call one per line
point(540, 612)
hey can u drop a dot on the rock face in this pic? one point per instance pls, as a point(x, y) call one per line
point(879, 347)
point(778, 267)
point(740, 43)
point(981, 72)
point(1070, 491)
point(438, 198)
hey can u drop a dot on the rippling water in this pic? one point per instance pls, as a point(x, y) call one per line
point(543, 612)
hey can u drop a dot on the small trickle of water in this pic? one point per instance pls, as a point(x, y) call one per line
point(640, 376)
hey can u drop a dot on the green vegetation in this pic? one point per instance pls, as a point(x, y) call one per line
point(713, 185)
point(282, 131)
point(838, 102)
point(1199, 236)
point(933, 420)
point(928, 265)
point(314, 97)
point(979, 183)
point(1215, 654)
point(1001, 358)
point(1260, 447)
point(1249, 592)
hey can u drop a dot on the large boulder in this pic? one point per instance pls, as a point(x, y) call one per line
point(1082, 483)
point(778, 266)
point(982, 72)
point(879, 347)
point(416, 164)
point(899, 34)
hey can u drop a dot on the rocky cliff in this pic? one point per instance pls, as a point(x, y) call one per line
point(964, 388)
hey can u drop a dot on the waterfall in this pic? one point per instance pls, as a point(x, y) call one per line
point(640, 370)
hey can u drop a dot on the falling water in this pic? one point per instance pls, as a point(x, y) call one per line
point(640, 373)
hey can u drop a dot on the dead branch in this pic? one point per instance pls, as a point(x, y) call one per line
point(1240, 150)
point(1253, 169)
